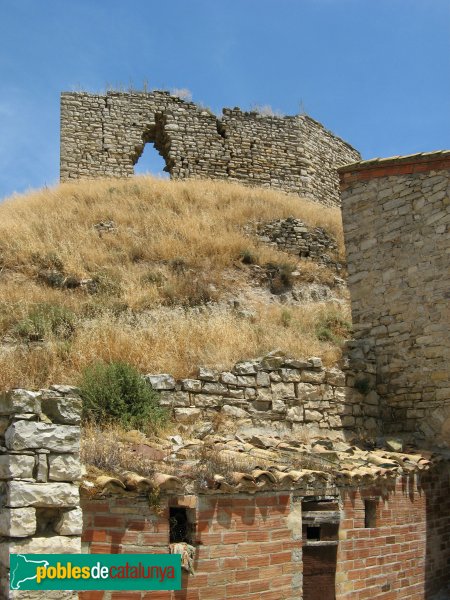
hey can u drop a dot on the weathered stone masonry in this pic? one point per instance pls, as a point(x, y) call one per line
point(104, 136)
point(396, 216)
point(39, 474)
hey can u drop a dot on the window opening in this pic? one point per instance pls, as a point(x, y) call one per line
point(180, 526)
point(150, 161)
point(313, 533)
point(370, 513)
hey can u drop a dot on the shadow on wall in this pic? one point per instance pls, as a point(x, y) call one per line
point(437, 558)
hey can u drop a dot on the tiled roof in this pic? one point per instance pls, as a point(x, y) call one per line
point(395, 160)
point(249, 464)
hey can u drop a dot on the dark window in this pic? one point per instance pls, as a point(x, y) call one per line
point(370, 513)
point(312, 533)
point(180, 527)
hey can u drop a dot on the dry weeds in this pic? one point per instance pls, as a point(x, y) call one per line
point(172, 252)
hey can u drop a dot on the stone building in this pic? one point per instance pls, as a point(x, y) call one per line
point(396, 215)
point(104, 136)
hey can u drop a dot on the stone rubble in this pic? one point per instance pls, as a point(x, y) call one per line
point(293, 236)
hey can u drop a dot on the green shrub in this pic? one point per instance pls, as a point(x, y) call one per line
point(116, 392)
point(280, 275)
point(46, 320)
point(104, 283)
point(333, 328)
point(286, 317)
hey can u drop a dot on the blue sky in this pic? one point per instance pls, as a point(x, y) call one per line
point(376, 72)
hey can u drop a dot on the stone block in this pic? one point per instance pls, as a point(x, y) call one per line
point(30, 434)
point(191, 385)
point(228, 378)
point(163, 381)
point(295, 414)
point(16, 466)
point(210, 387)
point(57, 544)
point(172, 398)
point(70, 522)
point(290, 375)
point(313, 376)
point(17, 522)
point(64, 467)
point(308, 392)
point(65, 409)
point(244, 368)
point(283, 390)
point(234, 412)
point(19, 401)
point(183, 415)
point(313, 415)
point(207, 401)
point(22, 493)
point(208, 374)
point(335, 377)
point(262, 379)
point(41, 470)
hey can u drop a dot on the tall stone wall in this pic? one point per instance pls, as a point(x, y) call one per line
point(396, 216)
point(39, 470)
point(104, 136)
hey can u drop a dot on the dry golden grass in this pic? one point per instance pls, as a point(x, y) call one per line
point(177, 245)
point(106, 449)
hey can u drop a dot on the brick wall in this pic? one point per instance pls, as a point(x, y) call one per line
point(407, 553)
point(396, 224)
point(104, 135)
point(245, 546)
point(250, 547)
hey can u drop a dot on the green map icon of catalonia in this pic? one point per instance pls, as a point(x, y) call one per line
point(23, 569)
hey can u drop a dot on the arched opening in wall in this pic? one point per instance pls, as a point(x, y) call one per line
point(153, 155)
point(151, 162)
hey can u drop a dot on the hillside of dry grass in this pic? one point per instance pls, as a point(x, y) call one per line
point(156, 285)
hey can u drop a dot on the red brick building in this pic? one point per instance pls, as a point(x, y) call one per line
point(388, 540)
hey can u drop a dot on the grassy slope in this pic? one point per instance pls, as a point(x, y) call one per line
point(159, 277)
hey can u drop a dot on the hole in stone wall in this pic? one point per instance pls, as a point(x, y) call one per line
point(150, 161)
point(46, 518)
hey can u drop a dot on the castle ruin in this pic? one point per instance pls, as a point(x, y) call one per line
point(104, 136)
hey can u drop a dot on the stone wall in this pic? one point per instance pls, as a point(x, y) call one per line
point(396, 216)
point(39, 470)
point(104, 136)
point(293, 236)
point(274, 392)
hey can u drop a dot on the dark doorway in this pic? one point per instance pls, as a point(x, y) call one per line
point(320, 525)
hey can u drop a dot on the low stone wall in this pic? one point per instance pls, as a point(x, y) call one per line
point(293, 236)
point(275, 392)
point(39, 470)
